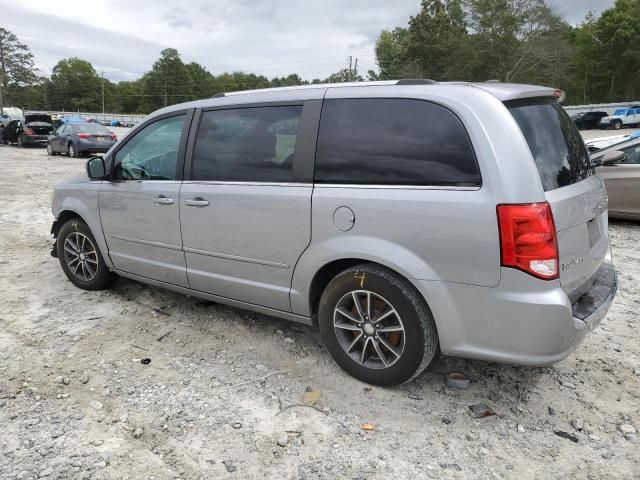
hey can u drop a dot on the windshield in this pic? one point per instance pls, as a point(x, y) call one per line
point(620, 111)
point(555, 143)
point(91, 128)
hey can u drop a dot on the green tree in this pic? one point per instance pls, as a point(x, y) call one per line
point(76, 86)
point(16, 66)
point(616, 52)
point(391, 53)
point(435, 39)
point(168, 81)
point(518, 40)
point(344, 75)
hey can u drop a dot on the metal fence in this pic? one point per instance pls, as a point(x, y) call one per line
point(599, 107)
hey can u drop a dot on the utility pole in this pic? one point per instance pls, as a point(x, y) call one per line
point(102, 74)
point(1, 100)
point(355, 70)
point(350, 62)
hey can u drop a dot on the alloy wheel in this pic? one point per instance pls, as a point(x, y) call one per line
point(81, 256)
point(369, 329)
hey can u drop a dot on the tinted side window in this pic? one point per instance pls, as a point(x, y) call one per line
point(393, 141)
point(152, 154)
point(555, 143)
point(631, 155)
point(254, 144)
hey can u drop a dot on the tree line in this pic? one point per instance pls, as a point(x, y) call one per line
point(521, 41)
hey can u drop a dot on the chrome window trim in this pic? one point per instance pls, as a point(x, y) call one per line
point(335, 185)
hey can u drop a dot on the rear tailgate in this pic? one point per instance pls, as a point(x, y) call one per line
point(577, 197)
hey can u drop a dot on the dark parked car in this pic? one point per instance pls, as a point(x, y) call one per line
point(587, 120)
point(33, 130)
point(76, 139)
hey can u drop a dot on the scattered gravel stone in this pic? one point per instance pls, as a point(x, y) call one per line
point(577, 424)
point(283, 440)
point(552, 411)
point(138, 432)
point(520, 428)
point(85, 377)
point(66, 380)
point(46, 472)
point(626, 428)
point(229, 466)
point(260, 366)
point(97, 442)
point(593, 437)
point(567, 384)
point(236, 425)
point(631, 437)
point(289, 339)
point(95, 404)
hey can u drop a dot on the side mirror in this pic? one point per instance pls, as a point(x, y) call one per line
point(96, 169)
point(612, 157)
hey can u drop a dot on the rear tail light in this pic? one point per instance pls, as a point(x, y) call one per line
point(113, 137)
point(528, 239)
point(29, 132)
point(83, 135)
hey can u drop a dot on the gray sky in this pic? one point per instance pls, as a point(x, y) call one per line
point(270, 37)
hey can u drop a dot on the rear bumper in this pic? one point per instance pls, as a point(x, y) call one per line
point(522, 321)
point(34, 139)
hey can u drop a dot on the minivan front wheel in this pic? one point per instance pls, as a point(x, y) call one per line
point(80, 257)
point(376, 326)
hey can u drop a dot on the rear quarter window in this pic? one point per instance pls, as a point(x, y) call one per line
point(557, 147)
point(393, 142)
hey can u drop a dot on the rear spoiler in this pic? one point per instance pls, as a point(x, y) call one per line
point(515, 91)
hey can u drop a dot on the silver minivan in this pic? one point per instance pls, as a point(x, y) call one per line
point(399, 217)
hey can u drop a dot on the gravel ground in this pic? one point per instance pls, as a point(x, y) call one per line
point(223, 394)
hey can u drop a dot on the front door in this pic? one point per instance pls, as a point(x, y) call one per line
point(622, 181)
point(140, 210)
point(245, 211)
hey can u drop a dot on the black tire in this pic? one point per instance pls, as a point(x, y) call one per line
point(50, 150)
point(72, 151)
point(74, 230)
point(420, 334)
point(617, 125)
point(20, 144)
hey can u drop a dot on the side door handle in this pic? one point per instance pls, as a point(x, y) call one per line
point(196, 202)
point(162, 200)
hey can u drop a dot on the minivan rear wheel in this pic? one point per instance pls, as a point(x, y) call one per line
point(73, 153)
point(376, 326)
point(80, 257)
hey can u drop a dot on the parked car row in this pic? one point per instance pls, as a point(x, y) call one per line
point(71, 138)
point(622, 117)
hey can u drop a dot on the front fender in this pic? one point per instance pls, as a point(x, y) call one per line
point(82, 200)
point(367, 249)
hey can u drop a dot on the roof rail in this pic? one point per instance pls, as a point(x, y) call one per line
point(219, 95)
point(493, 80)
point(416, 81)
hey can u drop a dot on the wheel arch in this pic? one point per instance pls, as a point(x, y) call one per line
point(73, 207)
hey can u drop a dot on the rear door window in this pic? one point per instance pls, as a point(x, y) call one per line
point(556, 144)
point(384, 141)
point(253, 144)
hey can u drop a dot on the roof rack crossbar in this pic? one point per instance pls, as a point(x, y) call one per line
point(219, 95)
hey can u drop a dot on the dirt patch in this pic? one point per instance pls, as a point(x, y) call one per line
point(223, 394)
